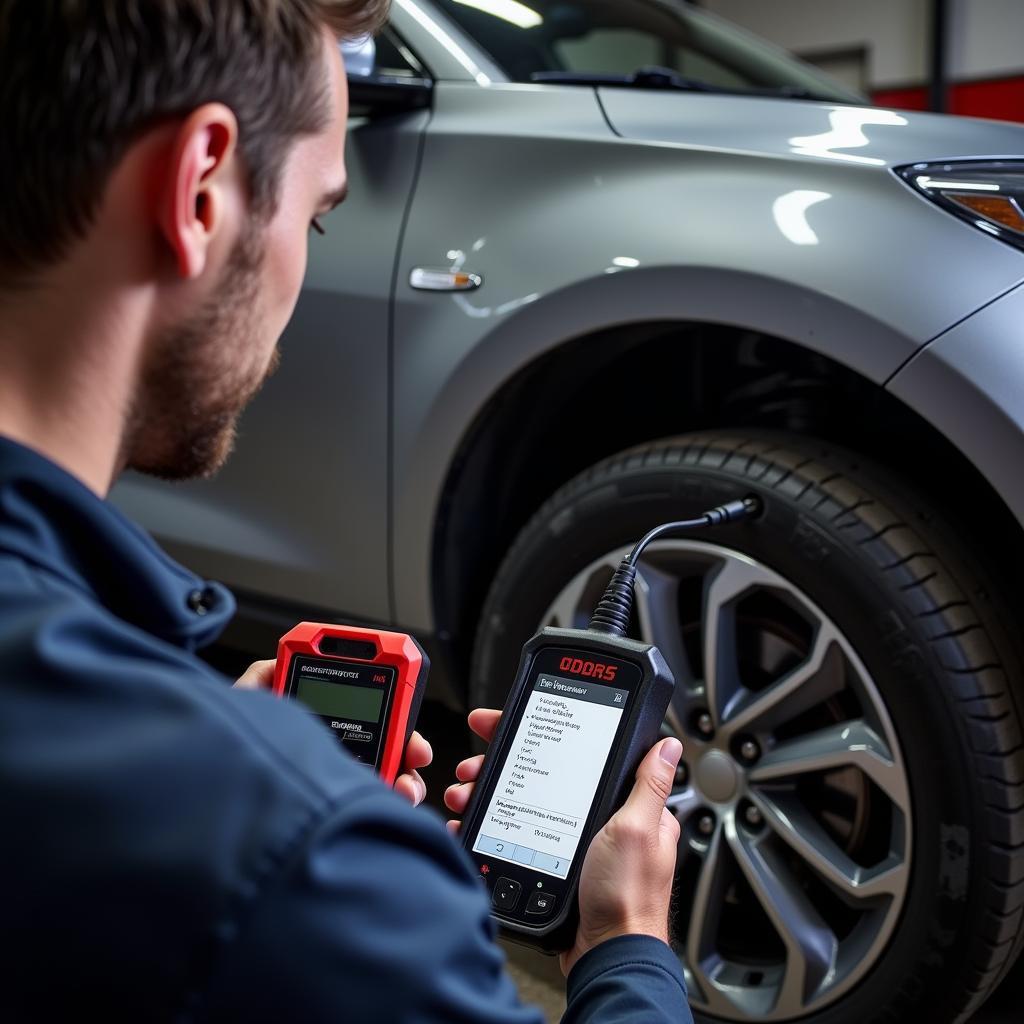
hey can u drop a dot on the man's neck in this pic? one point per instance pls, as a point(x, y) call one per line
point(68, 364)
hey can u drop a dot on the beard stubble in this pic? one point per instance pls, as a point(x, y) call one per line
point(200, 376)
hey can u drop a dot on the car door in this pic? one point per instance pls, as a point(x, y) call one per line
point(298, 516)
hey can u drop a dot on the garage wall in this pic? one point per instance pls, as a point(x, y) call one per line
point(987, 38)
point(890, 33)
point(882, 47)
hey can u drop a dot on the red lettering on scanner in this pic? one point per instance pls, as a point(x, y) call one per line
point(589, 669)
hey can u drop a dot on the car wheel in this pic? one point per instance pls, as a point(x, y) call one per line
point(852, 793)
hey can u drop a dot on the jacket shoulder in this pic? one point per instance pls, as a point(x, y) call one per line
point(153, 801)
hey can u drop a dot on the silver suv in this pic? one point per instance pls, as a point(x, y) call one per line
point(607, 263)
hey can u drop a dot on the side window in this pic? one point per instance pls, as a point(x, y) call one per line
point(614, 50)
point(383, 56)
point(624, 50)
point(704, 68)
point(395, 59)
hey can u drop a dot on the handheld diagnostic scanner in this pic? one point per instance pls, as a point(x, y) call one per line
point(585, 708)
point(366, 685)
point(583, 712)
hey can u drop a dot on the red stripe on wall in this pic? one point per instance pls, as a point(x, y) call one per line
point(1001, 98)
point(901, 99)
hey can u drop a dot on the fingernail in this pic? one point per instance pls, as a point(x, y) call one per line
point(671, 751)
point(422, 787)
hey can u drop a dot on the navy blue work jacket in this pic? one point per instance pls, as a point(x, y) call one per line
point(172, 849)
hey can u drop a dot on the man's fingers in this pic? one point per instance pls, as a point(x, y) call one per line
point(456, 798)
point(484, 722)
point(654, 782)
point(412, 787)
point(453, 825)
point(258, 676)
point(418, 754)
point(468, 770)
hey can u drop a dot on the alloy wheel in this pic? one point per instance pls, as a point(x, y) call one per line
point(792, 798)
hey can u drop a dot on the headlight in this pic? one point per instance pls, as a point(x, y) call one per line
point(988, 194)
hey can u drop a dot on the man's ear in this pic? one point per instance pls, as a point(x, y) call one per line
point(197, 180)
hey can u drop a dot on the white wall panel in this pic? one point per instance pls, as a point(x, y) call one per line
point(895, 33)
point(987, 38)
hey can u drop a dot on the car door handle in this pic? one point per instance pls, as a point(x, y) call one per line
point(426, 279)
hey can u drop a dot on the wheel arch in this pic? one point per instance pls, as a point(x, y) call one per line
point(606, 390)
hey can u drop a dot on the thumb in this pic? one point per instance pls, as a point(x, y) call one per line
point(654, 779)
point(258, 676)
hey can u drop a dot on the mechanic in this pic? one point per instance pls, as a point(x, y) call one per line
point(176, 848)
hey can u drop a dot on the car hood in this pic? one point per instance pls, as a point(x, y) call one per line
point(800, 128)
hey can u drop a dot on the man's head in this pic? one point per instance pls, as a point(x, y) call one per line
point(186, 145)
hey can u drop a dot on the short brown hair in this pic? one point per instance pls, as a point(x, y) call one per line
point(80, 80)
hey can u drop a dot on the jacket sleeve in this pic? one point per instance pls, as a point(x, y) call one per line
point(634, 979)
point(375, 917)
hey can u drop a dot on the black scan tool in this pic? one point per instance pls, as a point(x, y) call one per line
point(585, 708)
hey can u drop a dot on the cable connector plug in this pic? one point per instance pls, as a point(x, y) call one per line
point(613, 613)
point(733, 511)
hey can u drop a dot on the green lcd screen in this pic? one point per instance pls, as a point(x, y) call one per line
point(339, 700)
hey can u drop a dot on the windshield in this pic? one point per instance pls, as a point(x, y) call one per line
point(618, 37)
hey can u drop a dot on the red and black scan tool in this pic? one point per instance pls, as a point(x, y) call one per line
point(364, 684)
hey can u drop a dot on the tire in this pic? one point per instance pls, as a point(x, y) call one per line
point(928, 665)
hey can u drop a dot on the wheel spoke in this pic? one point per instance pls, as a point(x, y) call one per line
point(811, 946)
point(657, 605)
point(701, 955)
point(567, 611)
point(564, 611)
point(818, 677)
point(718, 632)
point(846, 744)
point(796, 826)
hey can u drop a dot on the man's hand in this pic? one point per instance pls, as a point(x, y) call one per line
point(258, 676)
point(484, 723)
point(418, 754)
point(626, 883)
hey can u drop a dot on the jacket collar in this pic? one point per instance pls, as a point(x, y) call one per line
point(54, 522)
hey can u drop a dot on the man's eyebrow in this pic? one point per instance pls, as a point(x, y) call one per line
point(335, 198)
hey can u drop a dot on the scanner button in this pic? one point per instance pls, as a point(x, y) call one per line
point(506, 893)
point(541, 903)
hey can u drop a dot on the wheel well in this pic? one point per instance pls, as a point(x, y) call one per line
point(604, 392)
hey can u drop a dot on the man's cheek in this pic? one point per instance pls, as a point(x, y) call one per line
point(298, 272)
point(288, 271)
point(287, 307)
